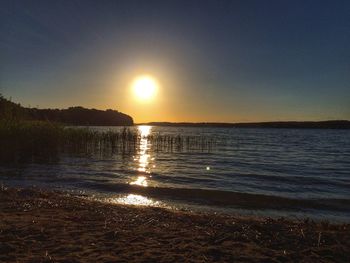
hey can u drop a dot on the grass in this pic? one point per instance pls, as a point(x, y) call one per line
point(29, 141)
point(43, 141)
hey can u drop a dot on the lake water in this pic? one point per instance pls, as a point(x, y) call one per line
point(293, 172)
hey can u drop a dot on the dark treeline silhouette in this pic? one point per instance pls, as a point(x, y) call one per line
point(71, 116)
point(334, 124)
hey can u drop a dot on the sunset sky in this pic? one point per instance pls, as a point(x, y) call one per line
point(219, 61)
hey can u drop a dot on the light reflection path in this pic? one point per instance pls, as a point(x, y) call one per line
point(132, 199)
point(143, 167)
point(143, 157)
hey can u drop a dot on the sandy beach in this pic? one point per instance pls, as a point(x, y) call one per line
point(44, 226)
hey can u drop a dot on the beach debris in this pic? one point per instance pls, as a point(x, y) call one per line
point(222, 239)
point(319, 239)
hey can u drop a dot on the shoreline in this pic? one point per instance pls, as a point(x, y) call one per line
point(325, 124)
point(235, 200)
point(51, 226)
point(209, 201)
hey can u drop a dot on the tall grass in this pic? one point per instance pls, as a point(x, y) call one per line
point(38, 141)
point(29, 141)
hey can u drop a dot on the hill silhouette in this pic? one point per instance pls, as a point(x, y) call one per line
point(71, 116)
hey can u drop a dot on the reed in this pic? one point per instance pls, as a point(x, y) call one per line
point(43, 141)
point(29, 141)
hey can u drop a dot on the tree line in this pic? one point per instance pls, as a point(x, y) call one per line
point(71, 116)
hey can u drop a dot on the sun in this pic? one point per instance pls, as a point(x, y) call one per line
point(145, 87)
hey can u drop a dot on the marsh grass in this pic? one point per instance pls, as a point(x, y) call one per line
point(43, 141)
point(29, 141)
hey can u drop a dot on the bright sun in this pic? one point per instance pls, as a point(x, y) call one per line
point(145, 87)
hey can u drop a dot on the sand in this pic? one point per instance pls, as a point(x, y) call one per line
point(44, 226)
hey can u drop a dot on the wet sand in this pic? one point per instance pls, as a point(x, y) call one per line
point(43, 226)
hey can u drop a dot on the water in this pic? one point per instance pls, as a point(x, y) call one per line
point(301, 172)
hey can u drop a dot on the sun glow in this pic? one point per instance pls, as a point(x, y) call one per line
point(145, 87)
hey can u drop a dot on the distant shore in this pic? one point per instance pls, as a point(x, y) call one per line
point(44, 226)
point(330, 124)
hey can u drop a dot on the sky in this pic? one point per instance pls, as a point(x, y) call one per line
point(215, 61)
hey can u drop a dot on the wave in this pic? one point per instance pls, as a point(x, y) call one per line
point(225, 198)
point(296, 180)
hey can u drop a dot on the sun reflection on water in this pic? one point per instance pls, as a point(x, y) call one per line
point(141, 180)
point(132, 199)
point(143, 156)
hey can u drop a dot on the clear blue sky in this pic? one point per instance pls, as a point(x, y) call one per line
point(222, 61)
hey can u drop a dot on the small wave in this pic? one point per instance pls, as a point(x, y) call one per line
point(226, 198)
point(296, 180)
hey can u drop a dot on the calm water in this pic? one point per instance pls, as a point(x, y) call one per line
point(276, 171)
